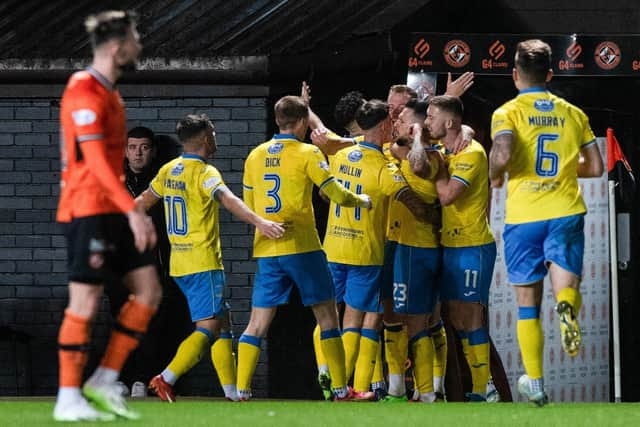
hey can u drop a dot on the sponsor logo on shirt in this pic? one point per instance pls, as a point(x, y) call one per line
point(275, 148)
point(177, 169)
point(544, 105)
point(355, 156)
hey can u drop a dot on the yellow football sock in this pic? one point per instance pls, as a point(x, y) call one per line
point(223, 359)
point(317, 348)
point(189, 352)
point(351, 344)
point(394, 350)
point(378, 374)
point(248, 354)
point(331, 345)
point(439, 337)
point(479, 348)
point(464, 340)
point(573, 297)
point(531, 341)
point(366, 362)
point(422, 350)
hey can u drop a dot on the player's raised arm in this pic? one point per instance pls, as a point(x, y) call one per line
point(329, 142)
point(325, 139)
point(460, 85)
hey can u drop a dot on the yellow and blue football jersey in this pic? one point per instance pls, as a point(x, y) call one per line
point(187, 186)
point(392, 227)
point(548, 133)
point(356, 236)
point(386, 150)
point(464, 222)
point(278, 180)
point(408, 230)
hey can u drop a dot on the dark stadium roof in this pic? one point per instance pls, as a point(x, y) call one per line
point(199, 28)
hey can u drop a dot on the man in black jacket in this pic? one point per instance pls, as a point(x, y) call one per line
point(145, 153)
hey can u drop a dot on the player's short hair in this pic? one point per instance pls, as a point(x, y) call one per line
point(448, 103)
point(403, 89)
point(289, 110)
point(141, 132)
point(371, 113)
point(110, 24)
point(419, 108)
point(533, 60)
point(193, 125)
point(345, 111)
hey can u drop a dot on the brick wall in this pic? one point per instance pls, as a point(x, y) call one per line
point(33, 278)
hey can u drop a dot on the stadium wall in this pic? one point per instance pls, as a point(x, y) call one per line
point(33, 276)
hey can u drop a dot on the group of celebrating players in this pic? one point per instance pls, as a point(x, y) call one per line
point(407, 229)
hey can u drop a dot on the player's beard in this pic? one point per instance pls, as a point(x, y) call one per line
point(404, 141)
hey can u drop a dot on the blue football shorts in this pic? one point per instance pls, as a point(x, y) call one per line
point(205, 294)
point(415, 279)
point(361, 285)
point(530, 247)
point(277, 275)
point(386, 284)
point(467, 273)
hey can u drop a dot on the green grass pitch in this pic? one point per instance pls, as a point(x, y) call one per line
point(200, 412)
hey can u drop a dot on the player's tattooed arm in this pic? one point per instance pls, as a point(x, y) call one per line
point(499, 158)
point(421, 210)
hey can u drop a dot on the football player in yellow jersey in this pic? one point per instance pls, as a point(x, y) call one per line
point(278, 180)
point(544, 144)
point(417, 258)
point(355, 238)
point(191, 191)
point(395, 336)
point(469, 250)
point(344, 114)
point(330, 143)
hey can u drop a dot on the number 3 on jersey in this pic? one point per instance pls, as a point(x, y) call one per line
point(546, 160)
point(176, 215)
point(273, 193)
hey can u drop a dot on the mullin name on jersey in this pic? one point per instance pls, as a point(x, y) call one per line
point(347, 169)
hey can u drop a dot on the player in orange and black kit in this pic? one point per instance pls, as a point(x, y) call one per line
point(108, 237)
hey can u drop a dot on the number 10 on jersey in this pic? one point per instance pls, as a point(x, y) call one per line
point(176, 214)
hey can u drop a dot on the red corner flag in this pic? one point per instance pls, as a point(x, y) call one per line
point(620, 172)
point(614, 152)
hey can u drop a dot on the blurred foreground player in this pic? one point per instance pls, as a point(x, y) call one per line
point(108, 236)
